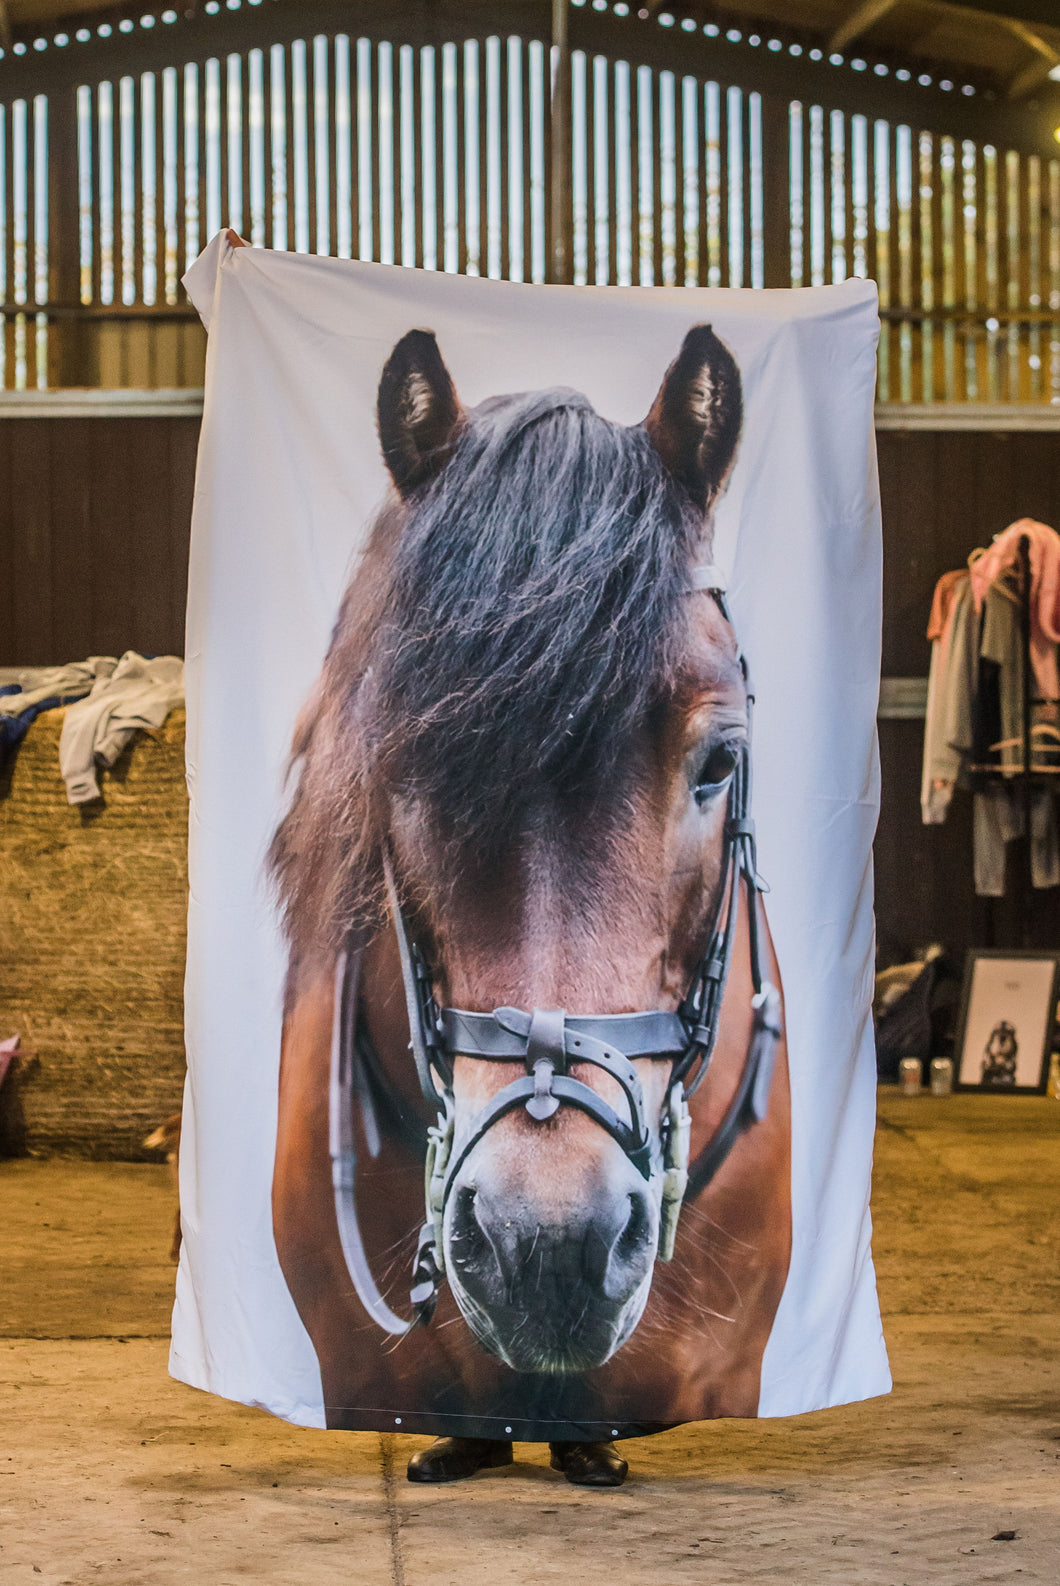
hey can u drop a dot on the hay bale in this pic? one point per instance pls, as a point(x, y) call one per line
point(92, 946)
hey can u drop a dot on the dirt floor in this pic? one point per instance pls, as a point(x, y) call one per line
point(112, 1473)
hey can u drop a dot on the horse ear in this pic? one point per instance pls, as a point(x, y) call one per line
point(418, 411)
point(695, 420)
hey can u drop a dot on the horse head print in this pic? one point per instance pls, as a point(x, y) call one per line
point(519, 848)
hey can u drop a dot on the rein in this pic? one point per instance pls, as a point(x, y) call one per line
point(547, 1042)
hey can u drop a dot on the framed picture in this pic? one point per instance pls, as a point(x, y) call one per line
point(1005, 1033)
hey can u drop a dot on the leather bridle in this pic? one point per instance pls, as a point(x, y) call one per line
point(547, 1042)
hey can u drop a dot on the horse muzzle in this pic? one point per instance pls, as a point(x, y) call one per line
point(550, 1279)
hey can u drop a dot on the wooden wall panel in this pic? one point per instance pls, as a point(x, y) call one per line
point(94, 521)
point(943, 494)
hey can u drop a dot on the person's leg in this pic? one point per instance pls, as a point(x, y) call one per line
point(456, 1458)
point(589, 1464)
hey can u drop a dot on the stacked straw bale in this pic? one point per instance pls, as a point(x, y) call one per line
point(92, 944)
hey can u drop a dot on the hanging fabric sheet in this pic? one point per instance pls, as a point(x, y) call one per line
point(474, 882)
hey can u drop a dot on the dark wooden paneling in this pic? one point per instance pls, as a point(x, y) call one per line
point(94, 524)
point(943, 494)
point(94, 521)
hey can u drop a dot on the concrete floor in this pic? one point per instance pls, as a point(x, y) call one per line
point(112, 1473)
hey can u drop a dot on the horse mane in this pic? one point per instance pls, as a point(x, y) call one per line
point(510, 629)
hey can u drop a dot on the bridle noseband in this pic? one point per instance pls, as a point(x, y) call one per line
point(547, 1042)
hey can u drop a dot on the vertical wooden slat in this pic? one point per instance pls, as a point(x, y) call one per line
point(748, 197)
point(851, 219)
point(333, 135)
point(289, 150)
point(1035, 284)
point(613, 135)
point(244, 140)
point(161, 250)
point(397, 156)
point(993, 193)
point(703, 180)
point(376, 78)
point(7, 198)
point(437, 141)
point(948, 258)
point(527, 159)
point(828, 169)
point(634, 177)
point(680, 261)
point(118, 244)
point(656, 182)
point(416, 108)
point(132, 192)
point(200, 96)
point(883, 244)
point(483, 164)
point(724, 221)
point(776, 194)
point(222, 135)
point(309, 89)
point(503, 152)
point(96, 173)
point(461, 159)
point(590, 172)
point(266, 141)
point(30, 221)
point(355, 156)
point(924, 209)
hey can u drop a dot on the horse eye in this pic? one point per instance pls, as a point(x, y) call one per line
point(716, 770)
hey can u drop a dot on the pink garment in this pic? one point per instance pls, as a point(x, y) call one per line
point(1045, 592)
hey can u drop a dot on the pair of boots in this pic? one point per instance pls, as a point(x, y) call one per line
point(454, 1458)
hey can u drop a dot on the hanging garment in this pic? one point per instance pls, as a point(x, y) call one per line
point(997, 819)
point(492, 640)
point(942, 602)
point(948, 721)
point(1044, 593)
point(138, 693)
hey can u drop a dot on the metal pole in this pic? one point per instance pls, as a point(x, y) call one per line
point(561, 151)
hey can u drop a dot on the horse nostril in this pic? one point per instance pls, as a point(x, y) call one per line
point(637, 1231)
point(468, 1244)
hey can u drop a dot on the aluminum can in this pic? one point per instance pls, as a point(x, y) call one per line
point(910, 1074)
point(941, 1076)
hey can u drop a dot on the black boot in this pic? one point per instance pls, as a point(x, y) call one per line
point(589, 1464)
point(456, 1458)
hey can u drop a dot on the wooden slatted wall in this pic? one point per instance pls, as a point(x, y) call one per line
point(425, 140)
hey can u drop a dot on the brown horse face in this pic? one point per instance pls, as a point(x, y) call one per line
point(550, 1232)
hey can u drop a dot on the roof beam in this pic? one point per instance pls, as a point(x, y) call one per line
point(1046, 58)
point(859, 21)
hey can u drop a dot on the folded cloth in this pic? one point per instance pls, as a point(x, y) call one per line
point(41, 688)
point(138, 693)
point(62, 682)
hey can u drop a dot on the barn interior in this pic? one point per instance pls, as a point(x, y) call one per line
point(757, 144)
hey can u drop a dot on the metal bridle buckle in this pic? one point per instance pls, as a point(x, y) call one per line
point(675, 1170)
point(546, 1055)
